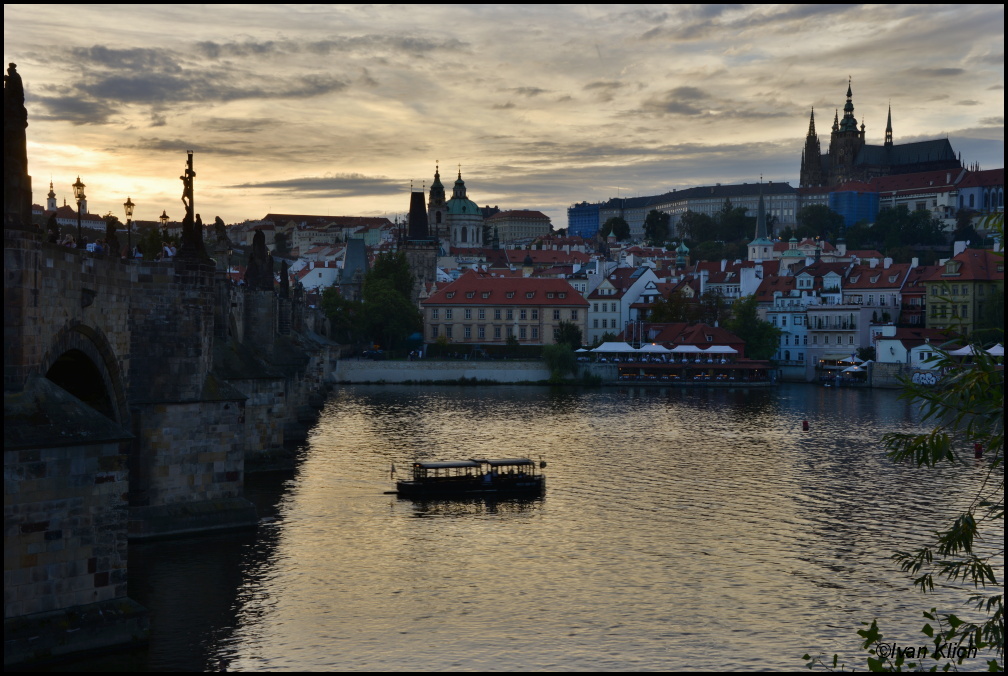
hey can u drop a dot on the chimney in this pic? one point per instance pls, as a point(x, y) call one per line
point(886, 262)
point(914, 262)
point(872, 262)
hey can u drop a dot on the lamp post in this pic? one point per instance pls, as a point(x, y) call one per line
point(78, 189)
point(129, 206)
point(164, 220)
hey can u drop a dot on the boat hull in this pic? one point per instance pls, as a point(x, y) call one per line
point(448, 490)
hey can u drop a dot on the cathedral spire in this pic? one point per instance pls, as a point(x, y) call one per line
point(888, 127)
point(811, 123)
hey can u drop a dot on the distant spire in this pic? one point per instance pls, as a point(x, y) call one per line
point(888, 127)
point(811, 123)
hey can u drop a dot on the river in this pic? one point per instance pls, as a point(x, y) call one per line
point(681, 529)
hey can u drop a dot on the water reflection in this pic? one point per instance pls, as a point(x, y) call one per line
point(680, 529)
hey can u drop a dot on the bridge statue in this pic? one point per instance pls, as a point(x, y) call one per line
point(192, 226)
point(259, 271)
point(17, 182)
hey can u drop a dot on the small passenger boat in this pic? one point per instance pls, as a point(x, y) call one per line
point(476, 477)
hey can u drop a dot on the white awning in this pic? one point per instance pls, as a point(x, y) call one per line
point(615, 347)
point(686, 349)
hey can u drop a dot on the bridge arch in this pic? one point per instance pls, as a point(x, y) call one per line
point(82, 362)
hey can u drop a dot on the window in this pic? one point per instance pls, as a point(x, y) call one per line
point(596, 324)
point(509, 314)
point(556, 315)
point(448, 313)
point(605, 323)
point(497, 334)
point(521, 333)
point(481, 332)
point(448, 332)
point(468, 313)
point(535, 332)
point(530, 294)
point(497, 313)
point(470, 294)
point(433, 331)
point(481, 313)
point(573, 314)
point(595, 307)
point(468, 332)
point(535, 314)
point(783, 320)
point(850, 340)
point(523, 314)
point(434, 313)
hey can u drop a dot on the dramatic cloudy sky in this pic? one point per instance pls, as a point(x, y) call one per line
point(338, 110)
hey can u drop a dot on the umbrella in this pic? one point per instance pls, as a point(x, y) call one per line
point(720, 349)
point(686, 349)
point(967, 351)
point(996, 351)
point(615, 347)
point(654, 347)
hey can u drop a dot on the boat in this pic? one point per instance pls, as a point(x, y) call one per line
point(473, 478)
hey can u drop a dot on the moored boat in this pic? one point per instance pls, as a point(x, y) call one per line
point(476, 477)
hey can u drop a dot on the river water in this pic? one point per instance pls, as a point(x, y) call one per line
point(681, 529)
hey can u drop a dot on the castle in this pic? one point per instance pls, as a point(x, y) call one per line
point(849, 158)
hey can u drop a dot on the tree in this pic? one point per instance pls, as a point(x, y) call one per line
point(675, 307)
point(733, 224)
point(656, 227)
point(695, 227)
point(389, 317)
point(761, 337)
point(392, 267)
point(617, 227)
point(569, 334)
point(560, 361)
point(818, 220)
point(344, 315)
point(712, 307)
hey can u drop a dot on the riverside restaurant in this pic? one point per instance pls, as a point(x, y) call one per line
point(682, 364)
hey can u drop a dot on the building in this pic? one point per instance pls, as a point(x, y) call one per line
point(420, 246)
point(583, 220)
point(960, 291)
point(519, 226)
point(850, 158)
point(457, 221)
point(610, 302)
point(481, 309)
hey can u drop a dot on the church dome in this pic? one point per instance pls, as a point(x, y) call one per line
point(460, 206)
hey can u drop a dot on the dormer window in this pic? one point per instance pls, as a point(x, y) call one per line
point(530, 294)
point(486, 294)
point(562, 294)
point(550, 294)
point(510, 294)
point(450, 294)
point(470, 294)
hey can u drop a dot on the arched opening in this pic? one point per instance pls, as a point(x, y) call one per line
point(78, 375)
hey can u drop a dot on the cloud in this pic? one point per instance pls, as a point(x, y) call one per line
point(334, 186)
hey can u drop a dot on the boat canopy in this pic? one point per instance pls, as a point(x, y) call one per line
point(448, 464)
point(506, 461)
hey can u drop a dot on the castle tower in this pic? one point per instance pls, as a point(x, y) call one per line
point(811, 163)
point(420, 248)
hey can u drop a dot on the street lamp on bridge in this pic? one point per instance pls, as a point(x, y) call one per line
point(78, 189)
point(129, 206)
point(164, 220)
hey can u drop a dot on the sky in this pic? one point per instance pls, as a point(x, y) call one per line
point(342, 110)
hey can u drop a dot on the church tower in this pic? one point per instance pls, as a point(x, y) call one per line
point(51, 199)
point(845, 143)
point(888, 128)
point(437, 209)
point(811, 161)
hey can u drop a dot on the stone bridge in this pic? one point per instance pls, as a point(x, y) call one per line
point(135, 394)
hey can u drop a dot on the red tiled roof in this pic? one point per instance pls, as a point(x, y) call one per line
point(976, 265)
point(481, 288)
